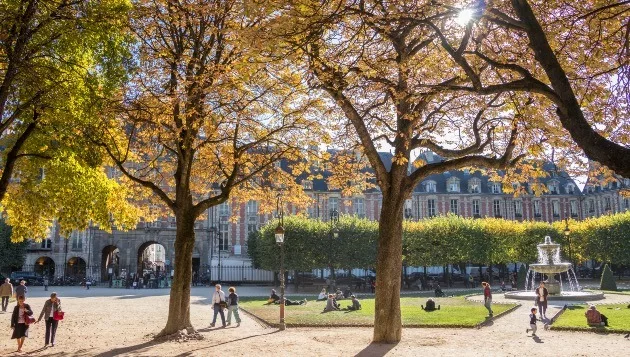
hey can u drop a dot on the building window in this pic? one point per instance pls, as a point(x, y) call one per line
point(476, 208)
point(333, 204)
point(46, 244)
point(607, 205)
point(518, 208)
point(224, 209)
point(552, 186)
point(474, 186)
point(307, 184)
point(454, 206)
point(453, 184)
point(537, 212)
point(571, 188)
point(408, 214)
point(77, 242)
point(431, 208)
point(555, 208)
point(223, 238)
point(497, 208)
point(252, 208)
point(431, 186)
point(495, 187)
point(626, 203)
point(590, 189)
point(359, 206)
point(573, 206)
point(591, 206)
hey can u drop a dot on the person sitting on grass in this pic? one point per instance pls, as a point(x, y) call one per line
point(288, 302)
point(331, 304)
point(594, 317)
point(338, 294)
point(322, 295)
point(273, 298)
point(430, 306)
point(356, 304)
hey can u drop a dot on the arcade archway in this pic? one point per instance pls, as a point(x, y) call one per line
point(151, 260)
point(45, 267)
point(75, 268)
point(110, 263)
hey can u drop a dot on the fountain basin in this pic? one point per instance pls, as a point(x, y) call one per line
point(563, 296)
point(556, 268)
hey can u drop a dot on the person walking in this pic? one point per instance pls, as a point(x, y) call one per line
point(45, 283)
point(21, 290)
point(487, 297)
point(51, 306)
point(21, 313)
point(541, 299)
point(218, 304)
point(6, 291)
point(232, 301)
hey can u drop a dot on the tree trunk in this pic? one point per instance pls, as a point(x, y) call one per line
point(179, 303)
point(387, 318)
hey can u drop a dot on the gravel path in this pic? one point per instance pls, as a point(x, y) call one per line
point(120, 325)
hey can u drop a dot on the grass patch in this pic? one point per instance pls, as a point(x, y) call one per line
point(573, 319)
point(454, 312)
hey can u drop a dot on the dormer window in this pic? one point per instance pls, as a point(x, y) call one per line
point(590, 189)
point(552, 186)
point(430, 186)
point(453, 184)
point(570, 188)
point(495, 187)
point(474, 185)
point(307, 184)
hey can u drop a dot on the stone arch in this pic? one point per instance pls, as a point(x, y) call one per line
point(45, 267)
point(76, 268)
point(151, 260)
point(110, 258)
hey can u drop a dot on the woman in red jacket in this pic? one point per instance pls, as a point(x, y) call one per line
point(487, 297)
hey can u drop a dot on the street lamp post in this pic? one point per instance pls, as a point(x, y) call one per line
point(279, 234)
point(212, 230)
point(334, 234)
point(218, 235)
point(567, 234)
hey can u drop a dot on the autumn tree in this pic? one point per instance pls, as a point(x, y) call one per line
point(58, 59)
point(573, 58)
point(208, 110)
point(382, 66)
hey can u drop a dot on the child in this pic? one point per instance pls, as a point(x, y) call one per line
point(532, 322)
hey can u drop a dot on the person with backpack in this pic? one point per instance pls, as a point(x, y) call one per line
point(218, 304)
point(232, 301)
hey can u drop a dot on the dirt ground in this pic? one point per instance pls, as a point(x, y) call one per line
point(121, 326)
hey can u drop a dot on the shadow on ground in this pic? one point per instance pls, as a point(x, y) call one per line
point(376, 349)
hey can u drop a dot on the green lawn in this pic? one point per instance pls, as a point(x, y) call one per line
point(454, 312)
point(573, 319)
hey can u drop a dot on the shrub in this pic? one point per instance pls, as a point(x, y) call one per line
point(608, 281)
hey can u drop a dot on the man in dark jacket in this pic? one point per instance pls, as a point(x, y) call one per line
point(21, 289)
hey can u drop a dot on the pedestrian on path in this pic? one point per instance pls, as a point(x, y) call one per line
point(45, 283)
point(21, 290)
point(51, 306)
point(232, 301)
point(532, 322)
point(218, 304)
point(487, 297)
point(541, 300)
point(6, 291)
point(21, 313)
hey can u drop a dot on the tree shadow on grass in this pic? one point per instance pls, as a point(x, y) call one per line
point(376, 349)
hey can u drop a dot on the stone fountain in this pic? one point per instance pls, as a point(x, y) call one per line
point(550, 266)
